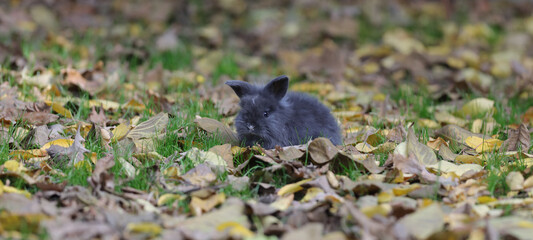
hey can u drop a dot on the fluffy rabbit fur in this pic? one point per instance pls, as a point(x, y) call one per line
point(272, 116)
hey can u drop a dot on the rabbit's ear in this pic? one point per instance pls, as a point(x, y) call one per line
point(239, 87)
point(278, 87)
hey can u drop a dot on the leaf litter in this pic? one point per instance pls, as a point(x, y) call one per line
point(128, 132)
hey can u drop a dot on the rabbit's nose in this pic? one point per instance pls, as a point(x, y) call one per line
point(251, 127)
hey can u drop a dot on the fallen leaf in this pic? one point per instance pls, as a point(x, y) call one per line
point(225, 152)
point(200, 206)
point(477, 107)
point(364, 147)
point(310, 231)
point(149, 128)
point(59, 109)
point(483, 145)
point(518, 139)
point(423, 153)
point(458, 169)
point(424, 222)
point(201, 175)
point(322, 150)
point(152, 229)
point(235, 229)
point(515, 181)
point(214, 126)
point(292, 188)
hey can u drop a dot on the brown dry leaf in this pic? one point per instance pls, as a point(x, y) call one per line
point(445, 117)
point(205, 226)
point(322, 151)
point(93, 84)
point(150, 128)
point(97, 118)
point(229, 106)
point(518, 139)
point(455, 133)
point(412, 165)
point(423, 153)
point(201, 175)
point(101, 179)
point(39, 118)
point(73, 154)
point(213, 160)
point(225, 152)
point(167, 41)
point(39, 136)
point(446, 153)
point(290, 153)
point(527, 117)
point(397, 134)
point(214, 126)
point(435, 144)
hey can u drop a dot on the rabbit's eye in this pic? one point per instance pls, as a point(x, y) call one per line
point(265, 114)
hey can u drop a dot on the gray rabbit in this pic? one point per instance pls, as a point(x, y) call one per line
point(272, 116)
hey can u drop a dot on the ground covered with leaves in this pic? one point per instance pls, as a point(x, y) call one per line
point(116, 124)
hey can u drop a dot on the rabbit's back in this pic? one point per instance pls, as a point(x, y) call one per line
point(309, 119)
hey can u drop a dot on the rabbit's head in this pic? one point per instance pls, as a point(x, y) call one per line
point(264, 112)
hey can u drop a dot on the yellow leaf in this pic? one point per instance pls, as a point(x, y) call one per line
point(84, 165)
point(59, 109)
point(199, 205)
point(283, 202)
point(27, 154)
point(483, 145)
point(476, 107)
point(364, 147)
point(168, 198)
point(172, 172)
point(106, 104)
point(468, 159)
point(292, 188)
point(486, 199)
point(428, 123)
point(145, 227)
point(92, 156)
point(501, 69)
point(384, 197)
point(380, 97)
point(370, 68)
point(135, 105)
point(119, 132)
point(455, 62)
point(382, 209)
point(426, 202)
point(400, 191)
point(311, 193)
point(235, 229)
point(459, 170)
point(59, 142)
point(9, 189)
point(12, 165)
